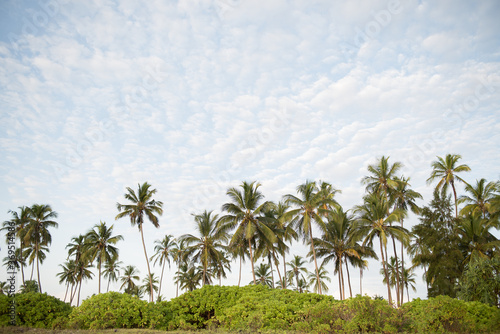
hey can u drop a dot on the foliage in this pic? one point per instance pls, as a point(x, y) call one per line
point(115, 310)
point(444, 314)
point(481, 281)
point(34, 309)
point(437, 235)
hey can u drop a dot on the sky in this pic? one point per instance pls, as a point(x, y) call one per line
point(197, 96)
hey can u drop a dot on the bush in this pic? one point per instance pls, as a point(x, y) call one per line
point(34, 309)
point(444, 314)
point(113, 310)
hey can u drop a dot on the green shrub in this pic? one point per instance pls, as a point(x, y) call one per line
point(39, 310)
point(5, 303)
point(112, 310)
point(444, 314)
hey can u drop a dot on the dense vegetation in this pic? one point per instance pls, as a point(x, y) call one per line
point(255, 308)
point(453, 242)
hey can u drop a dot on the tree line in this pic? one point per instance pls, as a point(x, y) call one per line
point(456, 248)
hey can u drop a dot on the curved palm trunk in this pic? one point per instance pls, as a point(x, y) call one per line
point(251, 260)
point(361, 281)
point(402, 266)
point(386, 274)
point(109, 281)
point(99, 265)
point(348, 278)
point(66, 294)
point(277, 268)
point(284, 271)
point(455, 195)
point(161, 278)
point(38, 272)
point(241, 263)
point(32, 270)
point(22, 266)
point(315, 262)
point(399, 301)
point(272, 272)
point(147, 262)
point(79, 289)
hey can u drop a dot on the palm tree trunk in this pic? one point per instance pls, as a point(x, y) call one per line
point(340, 286)
point(342, 278)
point(161, 277)
point(79, 290)
point(315, 262)
point(361, 280)
point(147, 262)
point(277, 268)
point(455, 195)
point(241, 263)
point(284, 271)
point(398, 299)
point(348, 278)
point(272, 271)
point(251, 260)
point(22, 260)
point(402, 266)
point(66, 294)
point(99, 268)
point(109, 281)
point(38, 272)
point(389, 297)
point(32, 270)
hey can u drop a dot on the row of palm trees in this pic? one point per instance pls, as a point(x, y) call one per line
point(249, 227)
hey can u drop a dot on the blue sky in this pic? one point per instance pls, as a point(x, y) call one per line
point(196, 96)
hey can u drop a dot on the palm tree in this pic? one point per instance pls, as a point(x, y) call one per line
point(178, 255)
point(404, 199)
point(383, 181)
point(130, 275)
point(15, 262)
point(240, 250)
point(312, 206)
point(149, 282)
point(245, 215)
point(77, 248)
point(373, 221)
point(19, 222)
point(336, 243)
point(163, 254)
point(208, 248)
point(82, 273)
point(323, 275)
point(112, 270)
point(445, 171)
point(263, 274)
point(408, 280)
point(297, 270)
point(476, 237)
point(99, 243)
point(288, 234)
point(141, 204)
point(37, 235)
point(29, 286)
point(479, 199)
point(67, 275)
point(188, 276)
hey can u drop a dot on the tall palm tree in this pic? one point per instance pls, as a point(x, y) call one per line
point(206, 249)
point(112, 270)
point(179, 257)
point(240, 250)
point(244, 213)
point(408, 280)
point(383, 181)
point(78, 250)
point(404, 198)
point(312, 205)
point(19, 222)
point(141, 204)
point(37, 235)
point(297, 270)
point(129, 278)
point(163, 254)
point(287, 235)
point(374, 222)
point(82, 273)
point(479, 198)
point(445, 170)
point(99, 243)
point(189, 276)
point(337, 244)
